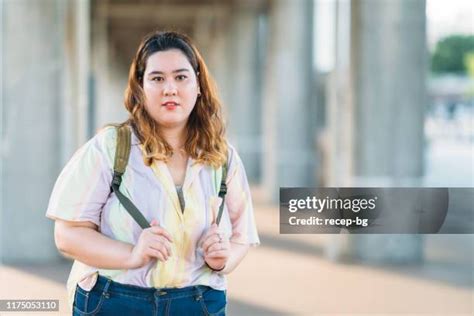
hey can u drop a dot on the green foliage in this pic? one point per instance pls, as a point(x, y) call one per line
point(469, 63)
point(450, 55)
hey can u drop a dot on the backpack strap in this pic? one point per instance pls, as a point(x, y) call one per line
point(122, 153)
point(222, 191)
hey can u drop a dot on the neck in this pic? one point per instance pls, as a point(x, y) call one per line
point(175, 137)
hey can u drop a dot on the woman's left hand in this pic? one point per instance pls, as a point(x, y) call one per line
point(216, 248)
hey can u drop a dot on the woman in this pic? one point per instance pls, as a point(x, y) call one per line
point(178, 148)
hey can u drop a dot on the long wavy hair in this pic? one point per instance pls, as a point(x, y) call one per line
point(205, 126)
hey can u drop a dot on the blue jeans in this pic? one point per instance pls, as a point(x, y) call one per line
point(111, 298)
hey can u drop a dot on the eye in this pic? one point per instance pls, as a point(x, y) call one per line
point(158, 79)
point(181, 77)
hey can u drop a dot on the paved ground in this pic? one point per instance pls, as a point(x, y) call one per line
point(289, 275)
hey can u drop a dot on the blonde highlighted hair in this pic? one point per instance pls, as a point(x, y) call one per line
point(205, 141)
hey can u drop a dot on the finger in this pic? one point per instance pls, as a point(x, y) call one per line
point(156, 254)
point(215, 239)
point(206, 244)
point(168, 247)
point(155, 222)
point(209, 242)
point(220, 233)
point(158, 230)
point(214, 247)
point(160, 241)
point(159, 251)
point(205, 240)
point(209, 233)
point(213, 229)
point(219, 254)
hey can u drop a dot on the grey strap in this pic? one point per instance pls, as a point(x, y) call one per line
point(222, 192)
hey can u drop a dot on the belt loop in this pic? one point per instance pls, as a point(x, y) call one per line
point(106, 288)
point(199, 295)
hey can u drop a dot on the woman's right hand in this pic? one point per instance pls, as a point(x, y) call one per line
point(154, 243)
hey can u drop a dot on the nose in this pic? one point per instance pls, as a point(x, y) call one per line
point(169, 89)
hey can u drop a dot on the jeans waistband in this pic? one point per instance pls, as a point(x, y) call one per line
point(106, 285)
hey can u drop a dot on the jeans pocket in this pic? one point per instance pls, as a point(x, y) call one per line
point(214, 302)
point(87, 303)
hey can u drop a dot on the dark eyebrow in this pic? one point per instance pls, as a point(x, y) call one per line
point(156, 72)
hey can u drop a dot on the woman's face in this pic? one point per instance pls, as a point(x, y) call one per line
point(170, 87)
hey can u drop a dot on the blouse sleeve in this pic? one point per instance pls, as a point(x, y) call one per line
point(239, 202)
point(83, 186)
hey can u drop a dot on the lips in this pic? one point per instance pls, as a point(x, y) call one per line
point(170, 103)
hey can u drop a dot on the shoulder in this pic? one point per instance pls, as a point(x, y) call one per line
point(102, 144)
point(106, 137)
point(235, 165)
point(233, 157)
point(231, 151)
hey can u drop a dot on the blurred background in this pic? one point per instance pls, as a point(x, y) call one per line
point(316, 93)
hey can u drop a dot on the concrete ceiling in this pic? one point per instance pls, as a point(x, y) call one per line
point(129, 20)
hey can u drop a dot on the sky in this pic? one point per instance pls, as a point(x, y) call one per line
point(445, 17)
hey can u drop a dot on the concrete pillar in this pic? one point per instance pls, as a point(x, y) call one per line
point(217, 55)
point(245, 107)
point(76, 113)
point(45, 100)
point(32, 65)
point(389, 62)
point(109, 73)
point(386, 102)
point(338, 165)
point(288, 125)
point(210, 34)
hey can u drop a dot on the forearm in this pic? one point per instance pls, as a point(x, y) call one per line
point(93, 248)
point(237, 254)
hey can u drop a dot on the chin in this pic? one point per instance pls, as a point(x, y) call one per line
point(171, 123)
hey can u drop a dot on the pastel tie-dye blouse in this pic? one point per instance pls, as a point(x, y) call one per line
point(82, 193)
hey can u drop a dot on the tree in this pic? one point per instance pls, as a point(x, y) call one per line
point(451, 53)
